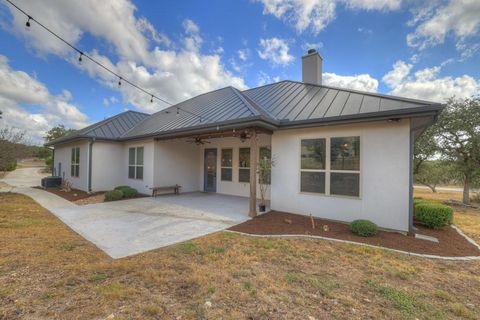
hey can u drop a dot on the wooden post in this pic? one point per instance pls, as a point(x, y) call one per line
point(253, 174)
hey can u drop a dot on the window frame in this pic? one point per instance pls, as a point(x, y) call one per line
point(135, 164)
point(75, 162)
point(224, 167)
point(328, 169)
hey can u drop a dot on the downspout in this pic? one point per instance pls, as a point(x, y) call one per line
point(411, 228)
point(90, 149)
point(53, 162)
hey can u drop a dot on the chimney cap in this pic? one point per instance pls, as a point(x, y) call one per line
point(310, 51)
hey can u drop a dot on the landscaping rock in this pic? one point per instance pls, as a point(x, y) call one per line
point(208, 304)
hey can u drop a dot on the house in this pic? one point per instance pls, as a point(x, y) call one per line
point(339, 154)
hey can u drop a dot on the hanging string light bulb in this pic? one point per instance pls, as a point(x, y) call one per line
point(80, 58)
point(178, 112)
point(151, 99)
point(119, 82)
point(27, 24)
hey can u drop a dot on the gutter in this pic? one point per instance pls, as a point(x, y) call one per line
point(90, 151)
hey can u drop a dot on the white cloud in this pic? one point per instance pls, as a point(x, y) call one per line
point(263, 79)
point(275, 50)
point(140, 53)
point(107, 101)
point(317, 14)
point(243, 54)
point(434, 22)
point(428, 85)
point(19, 89)
point(311, 45)
point(362, 82)
point(395, 76)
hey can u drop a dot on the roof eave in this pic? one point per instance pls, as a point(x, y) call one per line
point(366, 117)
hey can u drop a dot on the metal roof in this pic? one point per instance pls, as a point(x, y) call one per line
point(109, 129)
point(298, 101)
point(226, 104)
point(279, 105)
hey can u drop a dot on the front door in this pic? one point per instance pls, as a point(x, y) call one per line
point(210, 170)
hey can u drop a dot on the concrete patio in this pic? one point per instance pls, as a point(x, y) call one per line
point(129, 227)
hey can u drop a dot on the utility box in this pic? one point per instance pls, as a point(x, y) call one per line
point(49, 182)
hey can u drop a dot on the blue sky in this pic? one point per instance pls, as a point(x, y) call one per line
point(178, 49)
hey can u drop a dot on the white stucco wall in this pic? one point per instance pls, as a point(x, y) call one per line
point(63, 155)
point(176, 162)
point(108, 169)
point(230, 187)
point(384, 177)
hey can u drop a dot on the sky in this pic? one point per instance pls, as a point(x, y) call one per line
point(178, 49)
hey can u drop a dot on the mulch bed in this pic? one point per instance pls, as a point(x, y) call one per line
point(80, 197)
point(451, 244)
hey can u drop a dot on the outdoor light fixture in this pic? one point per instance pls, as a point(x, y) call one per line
point(178, 112)
point(243, 136)
point(394, 120)
point(151, 99)
point(27, 24)
point(80, 58)
point(119, 81)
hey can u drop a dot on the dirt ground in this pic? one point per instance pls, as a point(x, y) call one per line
point(49, 272)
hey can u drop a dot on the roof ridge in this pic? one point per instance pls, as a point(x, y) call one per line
point(253, 106)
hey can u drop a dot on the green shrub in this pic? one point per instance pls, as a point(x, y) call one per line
point(113, 195)
point(11, 166)
point(364, 228)
point(433, 215)
point(419, 200)
point(127, 191)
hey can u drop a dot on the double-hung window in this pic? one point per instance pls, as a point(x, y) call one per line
point(226, 168)
point(244, 165)
point(75, 163)
point(313, 165)
point(331, 166)
point(135, 163)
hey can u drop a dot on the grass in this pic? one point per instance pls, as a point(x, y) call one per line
point(47, 270)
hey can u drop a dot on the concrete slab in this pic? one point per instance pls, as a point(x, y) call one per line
point(425, 237)
point(128, 227)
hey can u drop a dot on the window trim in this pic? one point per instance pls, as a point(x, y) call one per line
point(135, 165)
point(327, 169)
point(223, 167)
point(75, 162)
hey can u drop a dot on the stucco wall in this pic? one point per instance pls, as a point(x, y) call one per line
point(230, 187)
point(108, 169)
point(384, 177)
point(176, 162)
point(63, 154)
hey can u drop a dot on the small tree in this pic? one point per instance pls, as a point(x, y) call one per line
point(264, 172)
point(57, 132)
point(432, 173)
point(425, 148)
point(457, 133)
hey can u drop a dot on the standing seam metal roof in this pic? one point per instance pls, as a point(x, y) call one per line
point(278, 104)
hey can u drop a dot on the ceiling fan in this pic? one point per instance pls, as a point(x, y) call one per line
point(198, 141)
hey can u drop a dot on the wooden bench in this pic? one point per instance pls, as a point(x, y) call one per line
point(156, 190)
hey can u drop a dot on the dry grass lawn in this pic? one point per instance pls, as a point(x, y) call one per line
point(49, 272)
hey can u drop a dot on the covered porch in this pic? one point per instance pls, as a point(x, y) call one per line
point(219, 162)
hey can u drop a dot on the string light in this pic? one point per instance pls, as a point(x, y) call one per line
point(178, 112)
point(95, 61)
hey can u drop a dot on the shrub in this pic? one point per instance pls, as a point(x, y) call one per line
point(433, 215)
point(113, 195)
point(419, 200)
point(127, 191)
point(364, 228)
point(11, 166)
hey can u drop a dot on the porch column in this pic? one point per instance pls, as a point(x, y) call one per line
point(253, 174)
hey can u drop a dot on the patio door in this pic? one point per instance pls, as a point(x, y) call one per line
point(210, 170)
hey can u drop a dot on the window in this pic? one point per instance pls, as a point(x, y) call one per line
point(244, 165)
point(265, 163)
point(312, 175)
point(345, 166)
point(135, 163)
point(335, 173)
point(226, 165)
point(75, 164)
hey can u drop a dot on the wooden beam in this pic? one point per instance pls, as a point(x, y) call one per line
point(253, 174)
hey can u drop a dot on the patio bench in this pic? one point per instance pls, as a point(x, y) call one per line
point(156, 190)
